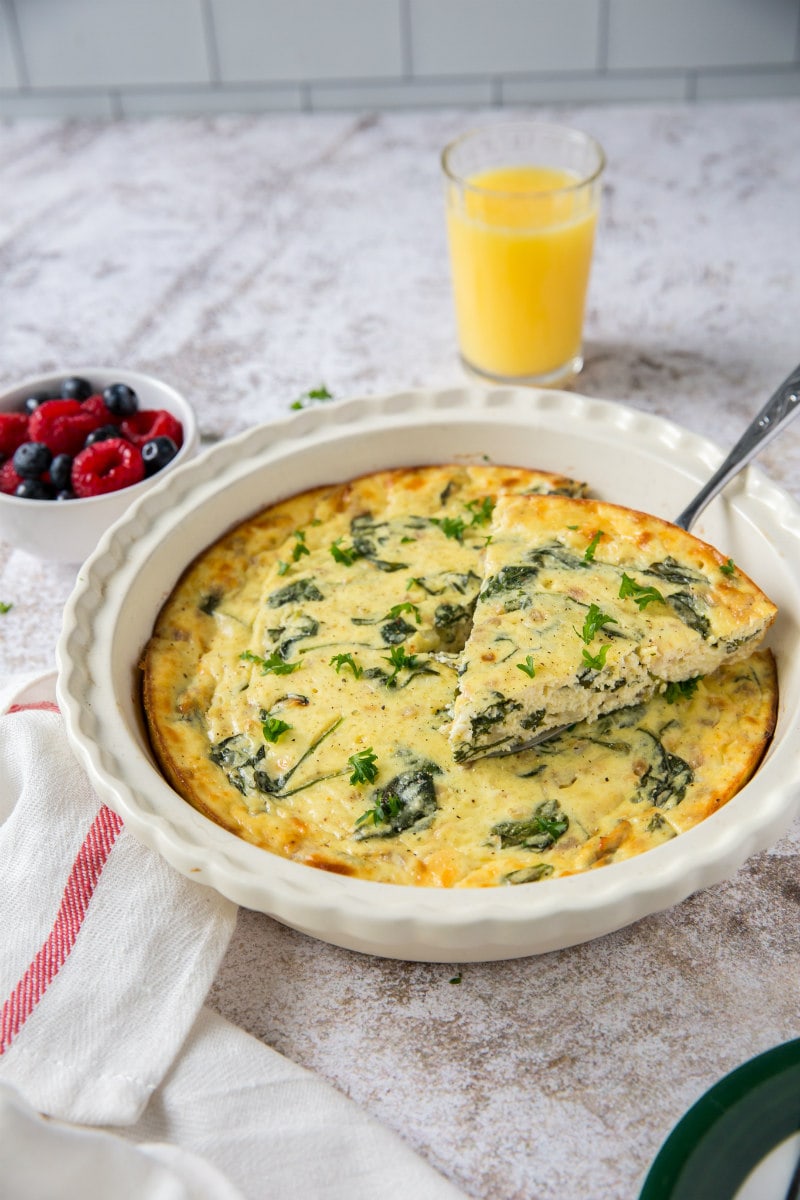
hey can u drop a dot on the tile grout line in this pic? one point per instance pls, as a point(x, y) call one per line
point(212, 47)
point(17, 48)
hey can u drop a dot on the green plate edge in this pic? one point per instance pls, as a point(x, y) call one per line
point(730, 1129)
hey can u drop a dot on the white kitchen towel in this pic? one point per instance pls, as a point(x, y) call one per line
point(41, 1159)
point(277, 1131)
point(107, 953)
point(106, 956)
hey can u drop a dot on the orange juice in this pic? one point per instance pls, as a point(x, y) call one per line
point(521, 240)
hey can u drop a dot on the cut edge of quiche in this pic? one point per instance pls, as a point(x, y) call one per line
point(587, 607)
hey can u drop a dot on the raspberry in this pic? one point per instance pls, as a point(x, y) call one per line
point(13, 432)
point(62, 425)
point(9, 479)
point(96, 405)
point(151, 423)
point(106, 467)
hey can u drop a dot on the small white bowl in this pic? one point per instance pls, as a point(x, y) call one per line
point(68, 531)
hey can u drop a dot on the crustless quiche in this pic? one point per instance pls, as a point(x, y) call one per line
point(337, 679)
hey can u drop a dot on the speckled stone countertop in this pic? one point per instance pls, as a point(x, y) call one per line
point(248, 259)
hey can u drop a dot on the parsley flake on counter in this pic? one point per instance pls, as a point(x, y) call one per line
point(346, 660)
point(641, 595)
point(364, 768)
point(315, 395)
point(5, 607)
point(527, 666)
point(274, 665)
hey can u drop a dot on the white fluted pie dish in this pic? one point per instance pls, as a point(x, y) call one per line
point(627, 457)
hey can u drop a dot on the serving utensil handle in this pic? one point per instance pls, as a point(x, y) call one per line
point(781, 408)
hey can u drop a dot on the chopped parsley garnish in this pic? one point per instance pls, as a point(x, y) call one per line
point(729, 567)
point(274, 665)
point(397, 660)
point(312, 396)
point(395, 611)
point(481, 510)
point(593, 544)
point(5, 607)
point(273, 727)
point(595, 620)
point(682, 690)
point(342, 554)
point(346, 660)
point(383, 812)
point(364, 768)
point(283, 567)
point(451, 527)
point(300, 545)
point(527, 666)
point(630, 589)
point(596, 662)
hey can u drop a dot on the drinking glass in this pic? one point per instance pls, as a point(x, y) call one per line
point(522, 202)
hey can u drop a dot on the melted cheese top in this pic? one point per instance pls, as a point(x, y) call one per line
point(299, 690)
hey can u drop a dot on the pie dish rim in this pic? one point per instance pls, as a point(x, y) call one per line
point(123, 584)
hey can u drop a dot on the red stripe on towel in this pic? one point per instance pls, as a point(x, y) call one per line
point(83, 878)
point(47, 705)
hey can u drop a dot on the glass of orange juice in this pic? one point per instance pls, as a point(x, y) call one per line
point(522, 204)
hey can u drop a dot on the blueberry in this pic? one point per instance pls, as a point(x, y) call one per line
point(65, 494)
point(61, 472)
point(157, 453)
point(32, 459)
point(33, 402)
point(121, 400)
point(34, 489)
point(101, 434)
point(76, 388)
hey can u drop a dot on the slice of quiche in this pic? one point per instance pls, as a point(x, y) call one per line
point(587, 607)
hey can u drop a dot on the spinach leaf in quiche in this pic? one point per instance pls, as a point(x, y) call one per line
point(688, 608)
point(529, 874)
point(298, 627)
point(295, 592)
point(395, 632)
point(538, 832)
point(407, 802)
point(666, 778)
point(481, 726)
point(556, 556)
point(673, 571)
point(209, 603)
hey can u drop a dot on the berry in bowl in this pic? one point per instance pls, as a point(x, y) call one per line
point(77, 447)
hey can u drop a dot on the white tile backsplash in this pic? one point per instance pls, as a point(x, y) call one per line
point(9, 72)
point(701, 33)
point(80, 43)
point(451, 37)
point(261, 40)
point(143, 57)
